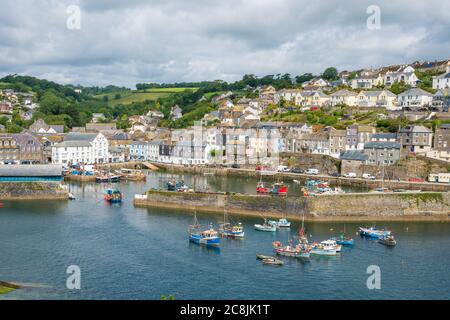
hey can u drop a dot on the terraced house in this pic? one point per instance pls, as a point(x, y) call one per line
point(21, 148)
point(377, 98)
point(416, 139)
point(86, 148)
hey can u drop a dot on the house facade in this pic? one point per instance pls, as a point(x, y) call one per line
point(415, 98)
point(416, 139)
point(86, 148)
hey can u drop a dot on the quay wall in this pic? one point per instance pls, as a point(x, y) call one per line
point(33, 191)
point(334, 181)
point(354, 206)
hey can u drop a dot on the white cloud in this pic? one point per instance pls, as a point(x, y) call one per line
point(124, 42)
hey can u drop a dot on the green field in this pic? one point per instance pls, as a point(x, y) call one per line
point(128, 97)
point(5, 290)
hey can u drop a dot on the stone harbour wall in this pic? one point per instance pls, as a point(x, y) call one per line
point(355, 206)
point(32, 191)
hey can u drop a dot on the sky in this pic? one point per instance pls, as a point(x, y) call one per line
point(127, 42)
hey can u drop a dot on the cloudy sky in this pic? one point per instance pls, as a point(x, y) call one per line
point(125, 42)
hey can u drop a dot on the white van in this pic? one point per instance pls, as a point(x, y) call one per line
point(312, 171)
point(350, 175)
point(368, 176)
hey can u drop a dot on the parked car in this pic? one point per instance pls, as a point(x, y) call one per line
point(335, 174)
point(283, 169)
point(416, 180)
point(235, 166)
point(297, 170)
point(368, 176)
point(312, 171)
point(350, 175)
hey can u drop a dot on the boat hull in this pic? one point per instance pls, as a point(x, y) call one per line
point(324, 252)
point(265, 228)
point(213, 242)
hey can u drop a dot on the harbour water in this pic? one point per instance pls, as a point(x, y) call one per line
point(136, 253)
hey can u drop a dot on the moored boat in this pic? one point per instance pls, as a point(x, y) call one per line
point(325, 248)
point(388, 241)
point(208, 237)
point(226, 229)
point(113, 195)
point(107, 178)
point(273, 261)
point(281, 223)
point(262, 257)
point(265, 227)
point(275, 189)
point(232, 231)
point(373, 233)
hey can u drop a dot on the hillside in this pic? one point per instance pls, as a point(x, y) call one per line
point(129, 97)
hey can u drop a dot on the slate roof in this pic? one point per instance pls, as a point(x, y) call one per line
point(388, 135)
point(76, 136)
point(35, 170)
point(355, 155)
point(382, 145)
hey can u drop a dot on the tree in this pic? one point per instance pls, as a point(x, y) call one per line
point(303, 78)
point(330, 74)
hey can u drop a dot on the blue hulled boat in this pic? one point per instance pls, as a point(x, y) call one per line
point(208, 237)
point(373, 233)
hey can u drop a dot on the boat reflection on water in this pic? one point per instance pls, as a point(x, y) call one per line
point(204, 249)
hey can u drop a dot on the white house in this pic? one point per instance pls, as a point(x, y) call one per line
point(442, 81)
point(367, 81)
point(405, 75)
point(86, 148)
point(290, 95)
point(415, 98)
point(377, 98)
point(343, 97)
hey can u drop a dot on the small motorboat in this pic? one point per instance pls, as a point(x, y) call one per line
point(262, 257)
point(71, 196)
point(388, 241)
point(373, 233)
point(265, 227)
point(281, 223)
point(113, 195)
point(273, 262)
point(344, 240)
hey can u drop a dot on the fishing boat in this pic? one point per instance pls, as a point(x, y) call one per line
point(373, 233)
point(113, 195)
point(275, 189)
point(227, 229)
point(343, 239)
point(273, 261)
point(265, 227)
point(281, 223)
point(132, 175)
point(107, 178)
point(178, 186)
point(325, 248)
point(388, 241)
point(298, 251)
point(262, 257)
point(208, 237)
